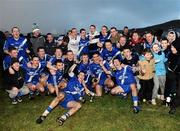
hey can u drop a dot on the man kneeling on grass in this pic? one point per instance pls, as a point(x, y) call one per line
point(125, 82)
point(15, 80)
point(69, 98)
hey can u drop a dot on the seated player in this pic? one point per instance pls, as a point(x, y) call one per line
point(73, 93)
point(125, 82)
point(32, 76)
point(99, 70)
point(84, 67)
point(15, 80)
point(55, 77)
point(43, 59)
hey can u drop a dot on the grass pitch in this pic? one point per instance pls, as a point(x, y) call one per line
point(108, 113)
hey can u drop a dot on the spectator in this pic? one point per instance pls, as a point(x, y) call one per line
point(50, 44)
point(37, 40)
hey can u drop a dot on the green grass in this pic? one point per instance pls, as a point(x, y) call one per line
point(108, 113)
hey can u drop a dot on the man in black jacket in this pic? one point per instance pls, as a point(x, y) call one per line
point(15, 80)
point(174, 76)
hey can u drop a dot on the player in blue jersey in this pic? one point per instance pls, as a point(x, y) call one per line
point(110, 52)
point(13, 53)
point(125, 82)
point(84, 66)
point(58, 55)
point(73, 93)
point(99, 71)
point(55, 77)
point(43, 59)
point(83, 43)
point(104, 35)
point(18, 42)
point(32, 76)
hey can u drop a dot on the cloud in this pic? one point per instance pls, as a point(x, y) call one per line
point(58, 16)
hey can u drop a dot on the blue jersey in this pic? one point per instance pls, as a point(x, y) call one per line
point(32, 74)
point(109, 55)
point(75, 88)
point(83, 46)
point(55, 79)
point(45, 60)
point(124, 76)
point(20, 44)
point(102, 38)
point(85, 68)
point(97, 72)
point(7, 61)
point(53, 59)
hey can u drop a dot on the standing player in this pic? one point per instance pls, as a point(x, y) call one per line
point(110, 52)
point(83, 43)
point(20, 43)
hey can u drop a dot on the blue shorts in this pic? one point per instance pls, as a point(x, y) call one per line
point(126, 88)
point(67, 98)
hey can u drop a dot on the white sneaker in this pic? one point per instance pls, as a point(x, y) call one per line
point(153, 102)
point(158, 96)
point(144, 100)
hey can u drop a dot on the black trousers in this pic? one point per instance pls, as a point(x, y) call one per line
point(145, 91)
point(174, 88)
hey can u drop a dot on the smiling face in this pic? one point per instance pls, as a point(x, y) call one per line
point(14, 53)
point(116, 63)
point(81, 76)
point(155, 48)
point(58, 53)
point(108, 46)
point(122, 41)
point(59, 65)
point(70, 56)
point(35, 61)
point(135, 36)
point(164, 44)
point(127, 53)
point(96, 58)
point(148, 56)
point(171, 37)
point(149, 37)
point(85, 58)
point(104, 30)
point(49, 38)
point(83, 34)
point(16, 32)
point(113, 32)
point(92, 29)
point(16, 66)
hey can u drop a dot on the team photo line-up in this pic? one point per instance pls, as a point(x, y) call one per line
point(83, 65)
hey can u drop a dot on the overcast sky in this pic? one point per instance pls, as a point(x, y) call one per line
point(57, 16)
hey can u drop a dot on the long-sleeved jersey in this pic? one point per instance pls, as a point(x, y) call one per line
point(109, 55)
point(20, 44)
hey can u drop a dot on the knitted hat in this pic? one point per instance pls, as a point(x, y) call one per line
point(35, 27)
